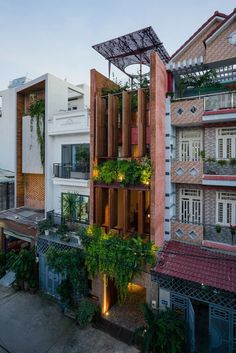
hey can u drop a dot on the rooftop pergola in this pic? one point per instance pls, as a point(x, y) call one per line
point(132, 48)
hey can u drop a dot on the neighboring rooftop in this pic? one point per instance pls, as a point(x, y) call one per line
point(198, 264)
point(23, 215)
point(6, 176)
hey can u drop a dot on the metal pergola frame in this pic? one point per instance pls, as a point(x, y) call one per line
point(132, 48)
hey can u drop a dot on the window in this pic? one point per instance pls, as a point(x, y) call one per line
point(226, 208)
point(226, 143)
point(77, 156)
point(75, 207)
point(190, 145)
point(191, 206)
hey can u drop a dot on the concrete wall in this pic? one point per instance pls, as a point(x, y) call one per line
point(8, 130)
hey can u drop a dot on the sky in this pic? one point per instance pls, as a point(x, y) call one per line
point(56, 36)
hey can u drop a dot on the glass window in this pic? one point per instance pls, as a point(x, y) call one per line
point(75, 207)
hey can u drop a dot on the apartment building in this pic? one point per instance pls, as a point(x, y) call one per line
point(51, 156)
point(196, 269)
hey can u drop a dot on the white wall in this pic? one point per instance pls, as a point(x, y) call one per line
point(8, 130)
point(31, 160)
point(56, 99)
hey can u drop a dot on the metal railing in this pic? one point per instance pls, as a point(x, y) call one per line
point(220, 167)
point(58, 219)
point(71, 171)
point(220, 101)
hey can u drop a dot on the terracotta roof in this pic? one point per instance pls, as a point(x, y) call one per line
point(197, 264)
point(216, 14)
point(220, 25)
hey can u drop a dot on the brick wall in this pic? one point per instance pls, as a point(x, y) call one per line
point(34, 191)
point(187, 117)
point(210, 142)
point(197, 48)
point(209, 206)
point(220, 48)
point(186, 232)
point(186, 172)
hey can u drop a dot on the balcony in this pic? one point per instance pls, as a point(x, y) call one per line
point(186, 172)
point(221, 172)
point(71, 174)
point(220, 107)
point(206, 234)
point(69, 122)
point(224, 235)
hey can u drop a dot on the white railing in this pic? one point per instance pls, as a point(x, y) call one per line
point(220, 101)
point(67, 122)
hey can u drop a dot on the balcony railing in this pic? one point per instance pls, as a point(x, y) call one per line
point(224, 235)
point(58, 219)
point(220, 167)
point(71, 171)
point(220, 101)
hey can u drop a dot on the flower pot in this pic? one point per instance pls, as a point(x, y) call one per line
point(46, 232)
point(26, 286)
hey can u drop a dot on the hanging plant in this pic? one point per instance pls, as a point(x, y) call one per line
point(116, 256)
point(37, 112)
point(70, 264)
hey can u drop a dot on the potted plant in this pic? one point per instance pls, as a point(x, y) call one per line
point(203, 155)
point(32, 285)
point(218, 228)
point(86, 312)
point(45, 226)
point(62, 231)
point(233, 229)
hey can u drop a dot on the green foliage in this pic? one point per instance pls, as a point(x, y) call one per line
point(70, 264)
point(203, 155)
point(69, 205)
point(83, 155)
point(233, 162)
point(2, 263)
point(107, 172)
point(22, 263)
point(218, 228)
point(164, 332)
point(222, 162)
point(194, 80)
point(87, 310)
point(62, 229)
point(119, 258)
point(126, 172)
point(37, 111)
point(45, 225)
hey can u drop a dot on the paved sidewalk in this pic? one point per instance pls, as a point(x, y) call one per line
point(33, 324)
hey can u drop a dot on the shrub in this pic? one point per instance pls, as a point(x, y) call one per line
point(86, 312)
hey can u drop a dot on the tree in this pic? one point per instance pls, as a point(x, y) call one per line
point(164, 331)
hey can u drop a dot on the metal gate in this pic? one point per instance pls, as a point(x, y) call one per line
point(184, 307)
point(222, 332)
point(48, 280)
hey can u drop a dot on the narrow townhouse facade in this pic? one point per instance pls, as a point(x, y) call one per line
point(129, 125)
point(196, 269)
point(51, 157)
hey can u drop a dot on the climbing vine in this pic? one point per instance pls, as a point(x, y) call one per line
point(70, 264)
point(37, 111)
point(120, 258)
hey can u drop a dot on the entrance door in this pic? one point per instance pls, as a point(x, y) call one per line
point(219, 327)
point(183, 306)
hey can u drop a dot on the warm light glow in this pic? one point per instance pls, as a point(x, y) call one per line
point(104, 304)
point(107, 313)
point(121, 177)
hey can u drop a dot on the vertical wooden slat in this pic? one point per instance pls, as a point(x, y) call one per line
point(125, 210)
point(100, 139)
point(141, 123)
point(112, 212)
point(98, 206)
point(126, 124)
point(141, 210)
point(112, 126)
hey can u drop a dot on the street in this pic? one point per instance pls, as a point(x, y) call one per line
point(33, 324)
